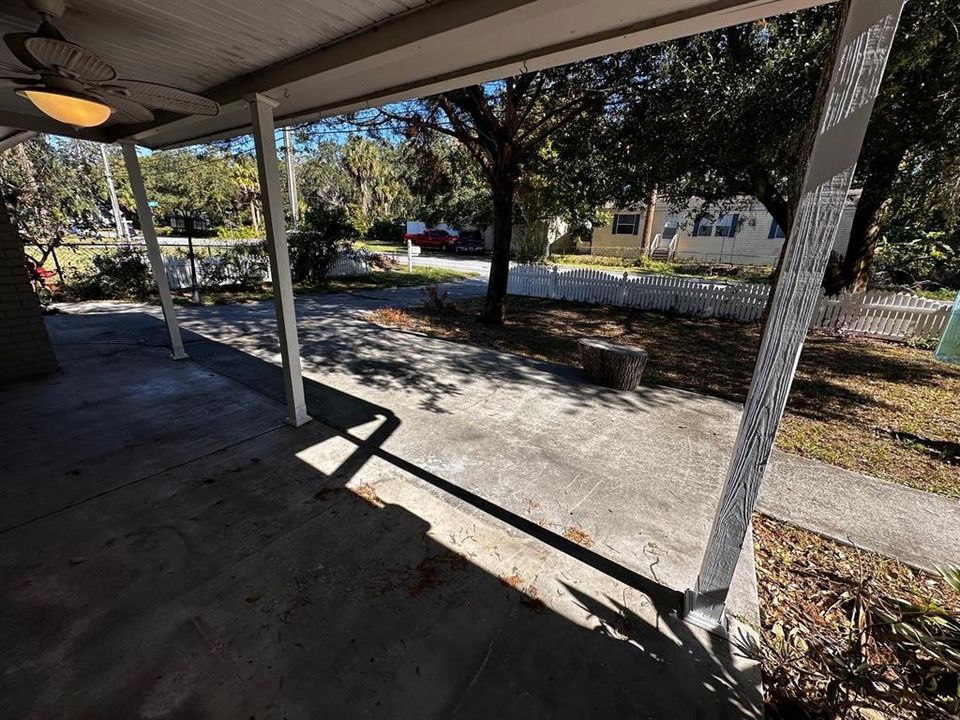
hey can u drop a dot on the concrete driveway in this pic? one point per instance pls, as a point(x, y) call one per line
point(458, 534)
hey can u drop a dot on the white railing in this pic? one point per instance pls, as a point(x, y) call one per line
point(660, 244)
point(876, 313)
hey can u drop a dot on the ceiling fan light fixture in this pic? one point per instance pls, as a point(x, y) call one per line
point(67, 108)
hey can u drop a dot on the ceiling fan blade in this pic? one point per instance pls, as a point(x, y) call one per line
point(126, 111)
point(15, 69)
point(5, 81)
point(14, 41)
point(69, 58)
point(163, 97)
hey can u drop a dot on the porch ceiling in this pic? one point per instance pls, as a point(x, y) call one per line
point(321, 57)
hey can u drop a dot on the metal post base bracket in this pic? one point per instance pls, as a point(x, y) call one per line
point(179, 355)
point(702, 612)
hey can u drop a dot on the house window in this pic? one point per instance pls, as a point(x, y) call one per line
point(626, 224)
point(703, 228)
point(727, 225)
point(775, 231)
point(670, 226)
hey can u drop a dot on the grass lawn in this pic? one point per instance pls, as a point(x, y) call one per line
point(381, 247)
point(875, 407)
point(376, 280)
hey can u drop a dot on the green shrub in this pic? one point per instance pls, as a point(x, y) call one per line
point(927, 260)
point(386, 232)
point(530, 245)
point(325, 236)
point(238, 232)
point(118, 275)
point(243, 266)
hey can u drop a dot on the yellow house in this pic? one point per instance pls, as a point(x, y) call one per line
point(747, 235)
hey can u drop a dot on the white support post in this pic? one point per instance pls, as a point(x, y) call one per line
point(132, 162)
point(268, 171)
point(868, 28)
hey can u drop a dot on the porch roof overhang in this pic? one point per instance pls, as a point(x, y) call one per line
point(323, 57)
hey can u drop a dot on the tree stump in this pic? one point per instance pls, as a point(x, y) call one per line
point(611, 365)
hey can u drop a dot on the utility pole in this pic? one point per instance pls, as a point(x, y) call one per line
point(114, 204)
point(291, 178)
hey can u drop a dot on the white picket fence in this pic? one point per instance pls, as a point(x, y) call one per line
point(876, 313)
point(883, 314)
point(178, 269)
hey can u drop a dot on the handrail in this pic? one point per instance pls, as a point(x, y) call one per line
point(657, 244)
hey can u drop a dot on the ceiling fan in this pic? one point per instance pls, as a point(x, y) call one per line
point(74, 85)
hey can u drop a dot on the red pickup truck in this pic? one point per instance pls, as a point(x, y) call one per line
point(433, 239)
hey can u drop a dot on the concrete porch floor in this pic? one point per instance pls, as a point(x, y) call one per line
point(170, 550)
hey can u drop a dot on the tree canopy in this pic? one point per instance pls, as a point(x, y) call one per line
point(711, 118)
point(722, 115)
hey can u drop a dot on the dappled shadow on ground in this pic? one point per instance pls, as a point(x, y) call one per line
point(835, 378)
point(436, 375)
point(302, 572)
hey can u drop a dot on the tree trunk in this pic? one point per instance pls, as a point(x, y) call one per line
point(879, 178)
point(495, 308)
point(254, 220)
point(864, 231)
point(611, 365)
point(648, 222)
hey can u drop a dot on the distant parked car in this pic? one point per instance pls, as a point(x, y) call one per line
point(432, 239)
point(470, 241)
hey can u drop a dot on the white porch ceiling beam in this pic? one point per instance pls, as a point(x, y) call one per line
point(842, 113)
point(448, 45)
point(145, 213)
point(268, 172)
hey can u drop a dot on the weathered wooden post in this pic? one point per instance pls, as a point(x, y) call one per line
point(842, 110)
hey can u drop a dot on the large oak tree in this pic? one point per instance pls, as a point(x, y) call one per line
point(723, 114)
point(505, 126)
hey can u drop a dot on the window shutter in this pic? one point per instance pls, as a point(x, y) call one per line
point(636, 224)
point(773, 230)
point(696, 228)
point(734, 221)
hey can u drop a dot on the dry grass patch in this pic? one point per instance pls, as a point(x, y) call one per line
point(392, 317)
point(829, 649)
point(853, 403)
